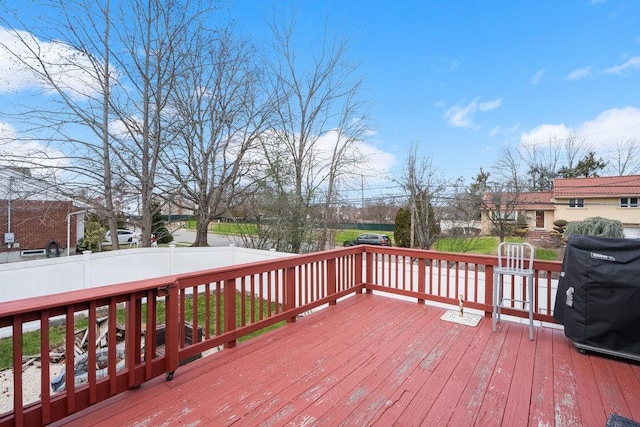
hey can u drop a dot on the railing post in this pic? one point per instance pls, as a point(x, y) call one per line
point(488, 289)
point(358, 267)
point(422, 269)
point(331, 279)
point(171, 343)
point(133, 338)
point(290, 291)
point(230, 309)
point(369, 270)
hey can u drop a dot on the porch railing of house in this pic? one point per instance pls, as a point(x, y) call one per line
point(223, 305)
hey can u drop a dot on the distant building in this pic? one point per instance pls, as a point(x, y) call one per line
point(576, 199)
point(34, 218)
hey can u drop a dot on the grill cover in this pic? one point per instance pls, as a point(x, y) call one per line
point(598, 299)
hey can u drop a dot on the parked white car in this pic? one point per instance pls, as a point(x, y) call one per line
point(124, 237)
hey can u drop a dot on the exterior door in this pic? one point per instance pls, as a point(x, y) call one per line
point(539, 219)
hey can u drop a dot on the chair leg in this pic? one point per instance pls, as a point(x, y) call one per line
point(530, 286)
point(496, 312)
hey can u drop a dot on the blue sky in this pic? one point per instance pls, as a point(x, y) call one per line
point(465, 79)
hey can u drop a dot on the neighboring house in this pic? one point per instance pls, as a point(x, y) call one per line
point(35, 221)
point(536, 207)
point(575, 199)
point(611, 197)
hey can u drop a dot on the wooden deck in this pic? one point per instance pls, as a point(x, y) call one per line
point(373, 360)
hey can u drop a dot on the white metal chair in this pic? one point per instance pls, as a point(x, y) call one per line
point(515, 260)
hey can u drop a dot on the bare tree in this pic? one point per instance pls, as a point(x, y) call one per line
point(220, 115)
point(501, 195)
point(151, 39)
point(78, 70)
point(575, 148)
point(541, 162)
point(423, 185)
point(318, 122)
point(625, 157)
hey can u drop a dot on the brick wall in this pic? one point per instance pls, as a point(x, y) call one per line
point(35, 223)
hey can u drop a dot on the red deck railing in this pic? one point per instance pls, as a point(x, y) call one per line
point(223, 305)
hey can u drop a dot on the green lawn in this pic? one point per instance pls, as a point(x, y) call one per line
point(226, 227)
point(485, 246)
point(31, 340)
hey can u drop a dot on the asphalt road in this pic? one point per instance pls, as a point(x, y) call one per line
point(184, 237)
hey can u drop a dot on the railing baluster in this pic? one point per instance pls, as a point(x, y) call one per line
point(45, 390)
point(69, 357)
point(18, 404)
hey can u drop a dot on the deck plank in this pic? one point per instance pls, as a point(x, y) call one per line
point(567, 408)
point(443, 361)
point(402, 355)
point(468, 380)
point(588, 395)
point(629, 386)
point(518, 403)
point(542, 403)
point(613, 400)
point(499, 388)
point(372, 360)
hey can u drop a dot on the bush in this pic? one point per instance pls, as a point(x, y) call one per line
point(596, 226)
point(559, 227)
point(402, 228)
point(93, 235)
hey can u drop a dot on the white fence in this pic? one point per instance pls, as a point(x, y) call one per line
point(30, 279)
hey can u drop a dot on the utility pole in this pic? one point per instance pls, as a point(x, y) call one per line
point(361, 196)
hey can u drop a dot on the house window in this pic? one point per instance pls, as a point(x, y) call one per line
point(576, 203)
point(503, 216)
point(628, 202)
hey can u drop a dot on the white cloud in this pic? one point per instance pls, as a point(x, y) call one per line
point(579, 74)
point(490, 105)
point(611, 125)
point(600, 132)
point(628, 67)
point(462, 116)
point(535, 79)
point(69, 68)
point(546, 134)
point(376, 161)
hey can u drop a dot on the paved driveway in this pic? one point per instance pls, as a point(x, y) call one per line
point(184, 237)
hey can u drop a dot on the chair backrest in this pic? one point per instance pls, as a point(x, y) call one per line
point(516, 257)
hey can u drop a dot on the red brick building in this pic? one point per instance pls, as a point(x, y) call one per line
point(33, 221)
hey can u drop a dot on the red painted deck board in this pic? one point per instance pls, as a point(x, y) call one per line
point(373, 360)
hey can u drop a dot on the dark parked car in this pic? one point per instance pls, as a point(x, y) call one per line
point(372, 239)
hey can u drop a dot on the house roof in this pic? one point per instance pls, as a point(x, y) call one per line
point(531, 201)
point(537, 200)
point(606, 186)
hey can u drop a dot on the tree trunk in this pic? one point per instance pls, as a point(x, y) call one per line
point(202, 230)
